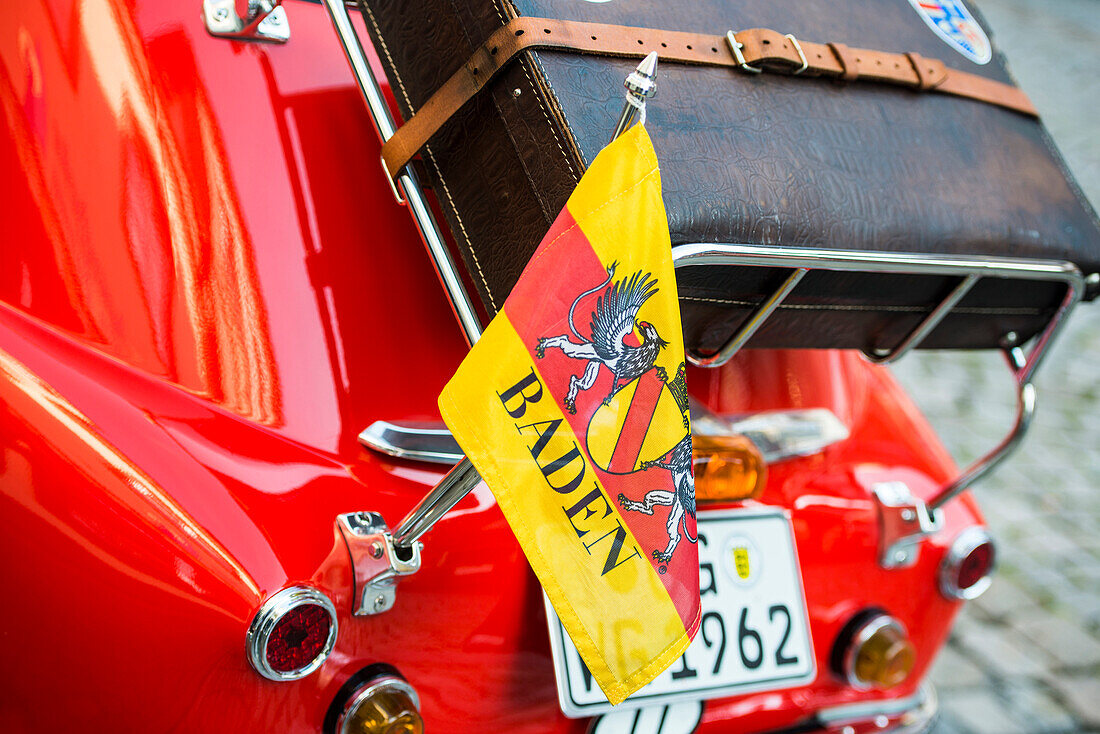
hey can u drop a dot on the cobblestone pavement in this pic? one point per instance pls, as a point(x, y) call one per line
point(1025, 657)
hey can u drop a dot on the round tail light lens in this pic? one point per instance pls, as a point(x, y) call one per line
point(292, 634)
point(965, 571)
point(878, 654)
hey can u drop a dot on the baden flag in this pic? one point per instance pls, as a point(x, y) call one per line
point(573, 408)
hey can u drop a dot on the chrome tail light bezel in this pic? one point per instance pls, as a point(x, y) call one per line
point(268, 616)
point(961, 547)
point(866, 628)
point(370, 689)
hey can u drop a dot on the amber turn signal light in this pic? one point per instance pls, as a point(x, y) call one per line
point(386, 705)
point(879, 654)
point(727, 467)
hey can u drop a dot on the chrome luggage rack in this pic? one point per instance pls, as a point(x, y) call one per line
point(968, 270)
point(903, 521)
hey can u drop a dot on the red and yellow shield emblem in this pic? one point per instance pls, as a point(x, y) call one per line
point(639, 423)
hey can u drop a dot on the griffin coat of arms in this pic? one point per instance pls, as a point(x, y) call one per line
point(642, 422)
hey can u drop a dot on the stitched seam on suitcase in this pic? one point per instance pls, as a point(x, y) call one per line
point(431, 158)
point(389, 56)
point(527, 119)
point(499, 8)
point(469, 244)
point(546, 114)
point(535, 90)
point(974, 310)
point(554, 130)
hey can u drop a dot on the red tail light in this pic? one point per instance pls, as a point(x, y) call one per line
point(965, 570)
point(292, 634)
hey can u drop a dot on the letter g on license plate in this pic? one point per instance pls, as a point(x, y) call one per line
point(754, 635)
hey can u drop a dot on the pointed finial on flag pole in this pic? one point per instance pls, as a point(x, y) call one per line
point(641, 84)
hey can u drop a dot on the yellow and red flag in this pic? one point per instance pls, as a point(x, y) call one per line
point(573, 408)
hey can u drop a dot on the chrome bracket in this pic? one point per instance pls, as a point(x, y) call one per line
point(377, 563)
point(266, 20)
point(903, 521)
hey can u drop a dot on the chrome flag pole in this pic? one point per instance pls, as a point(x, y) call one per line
point(640, 85)
point(379, 556)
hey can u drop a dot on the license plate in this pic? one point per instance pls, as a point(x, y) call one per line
point(753, 636)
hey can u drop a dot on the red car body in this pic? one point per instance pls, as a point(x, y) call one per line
point(206, 293)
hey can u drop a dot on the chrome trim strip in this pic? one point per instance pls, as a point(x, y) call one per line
point(269, 614)
point(432, 443)
point(921, 705)
point(961, 547)
point(775, 433)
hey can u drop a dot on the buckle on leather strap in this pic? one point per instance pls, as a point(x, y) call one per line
point(393, 183)
point(801, 56)
point(735, 47)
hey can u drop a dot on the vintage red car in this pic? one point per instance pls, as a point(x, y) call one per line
point(207, 293)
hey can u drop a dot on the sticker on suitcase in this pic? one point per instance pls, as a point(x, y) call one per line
point(952, 22)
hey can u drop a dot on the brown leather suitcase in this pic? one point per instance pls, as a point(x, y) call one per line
point(771, 160)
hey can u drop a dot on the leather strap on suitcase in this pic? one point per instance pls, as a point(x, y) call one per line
point(752, 50)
